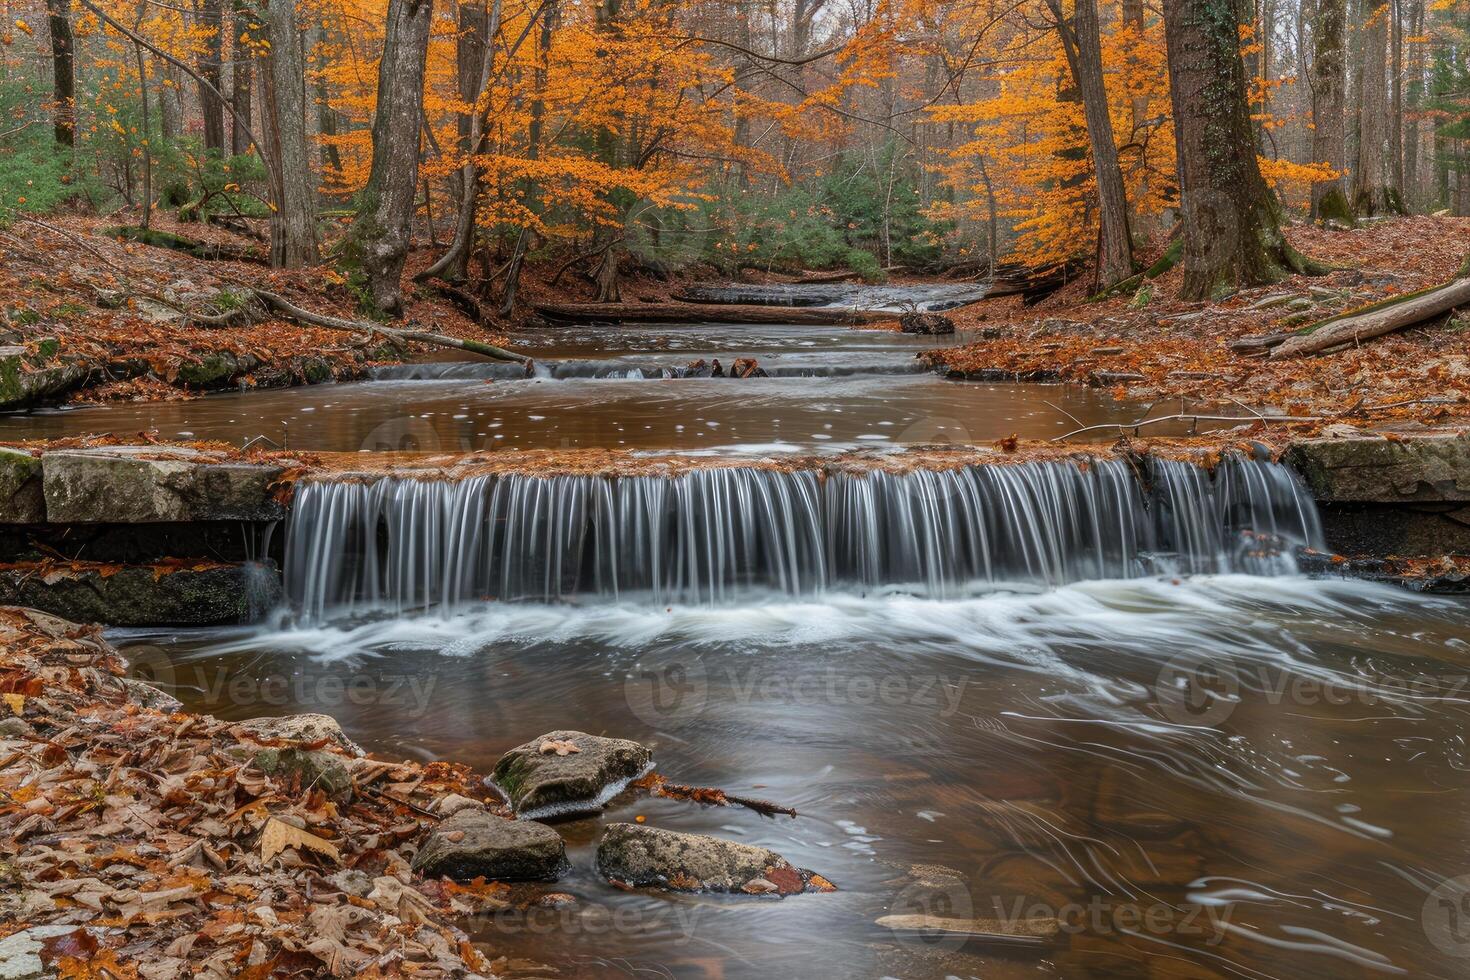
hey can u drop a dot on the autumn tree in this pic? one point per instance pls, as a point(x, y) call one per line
point(1329, 78)
point(381, 233)
point(1372, 191)
point(1232, 222)
point(63, 71)
point(293, 224)
point(1083, 48)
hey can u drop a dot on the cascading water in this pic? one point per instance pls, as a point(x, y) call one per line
point(708, 534)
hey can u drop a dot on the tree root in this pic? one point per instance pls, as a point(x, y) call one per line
point(284, 306)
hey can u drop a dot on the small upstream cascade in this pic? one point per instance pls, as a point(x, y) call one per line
point(711, 535)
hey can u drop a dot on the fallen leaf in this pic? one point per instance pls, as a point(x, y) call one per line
point(17, 702)
point(560, 747)
point(279, 835)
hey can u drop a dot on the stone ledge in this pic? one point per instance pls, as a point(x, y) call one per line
point(1422, 468)
point(155, 484)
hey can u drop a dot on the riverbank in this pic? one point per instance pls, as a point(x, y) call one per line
point(1187, 356)
point(91, 316)
point(147, 842)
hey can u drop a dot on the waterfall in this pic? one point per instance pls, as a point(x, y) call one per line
point(706, 535)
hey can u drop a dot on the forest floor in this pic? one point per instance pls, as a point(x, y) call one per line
point(1177, 354)
point(104, 316)
point(91, 317)
point(142, 841)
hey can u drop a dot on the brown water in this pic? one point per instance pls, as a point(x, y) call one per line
point(1296, 825)
point(838, 389)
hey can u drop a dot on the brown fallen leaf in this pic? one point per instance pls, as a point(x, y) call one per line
point(279, 835)
point(559, 746)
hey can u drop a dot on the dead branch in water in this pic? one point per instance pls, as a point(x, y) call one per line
point(656, 785)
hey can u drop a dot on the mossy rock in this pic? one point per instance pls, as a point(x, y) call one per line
point(308, 769)
point(210, 371)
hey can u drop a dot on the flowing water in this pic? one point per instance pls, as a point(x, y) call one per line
point(1086, 695)
point(831, 389)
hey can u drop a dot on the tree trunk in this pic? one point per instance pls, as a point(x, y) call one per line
point(1232, 223)
point(1396, 101)
point(210, 65)
point(293, 224)
point(1372, 193)
point(1328, 81)
point(380, 235)
point(242, 78)
point(1082, 44)
point(63, 72)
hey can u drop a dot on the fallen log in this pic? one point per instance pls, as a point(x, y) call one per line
point(188, 246)
point(1376, 320)
point(284, 306)
point(706, 313)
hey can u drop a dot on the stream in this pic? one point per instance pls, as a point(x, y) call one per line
point(1045, 696)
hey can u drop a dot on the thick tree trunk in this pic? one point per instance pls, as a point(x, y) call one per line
point(63, 72)
point(1372, 192)
point(210, 66)
point(1083, 46)
point(380, 235)
point(1329, 137)
point(1232, 223)
point(242, 78)
point(293, 224)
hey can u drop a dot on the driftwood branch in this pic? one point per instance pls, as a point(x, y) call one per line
point(284, 306)
point(657, 785)
point(1376, 320)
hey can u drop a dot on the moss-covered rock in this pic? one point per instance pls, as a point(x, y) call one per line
point(145, 595)
point(211, 371)
point(21, 498)
point(473, 842)
point(566, 772)
point(643, 856)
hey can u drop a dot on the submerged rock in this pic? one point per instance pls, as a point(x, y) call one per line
point(565, 772)
point(472, 842)
point(1022, 930)
point(926, 323)
point(629, 854)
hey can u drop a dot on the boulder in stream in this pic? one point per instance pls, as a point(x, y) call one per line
point(933, 324)
point(565, 772)
point(473, 842)
point(639, 856)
